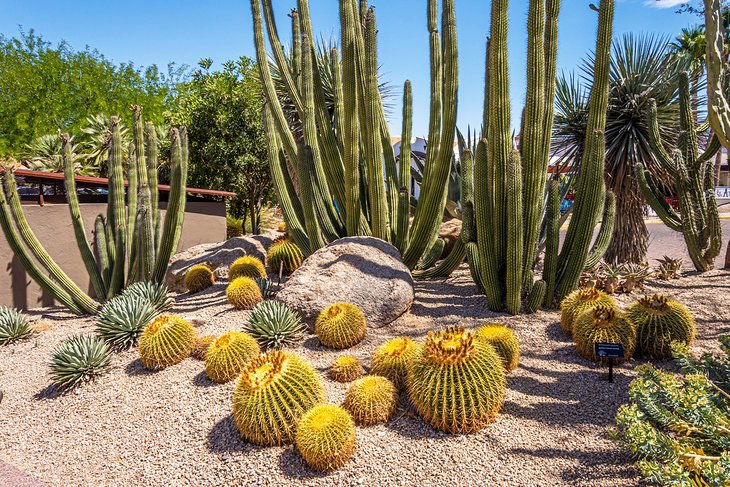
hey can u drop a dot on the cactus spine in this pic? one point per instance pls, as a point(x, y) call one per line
point(694, 181)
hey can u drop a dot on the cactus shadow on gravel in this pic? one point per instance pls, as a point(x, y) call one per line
point(202, 380)
point(135, 368)
point(293, 466)
point(224, 438)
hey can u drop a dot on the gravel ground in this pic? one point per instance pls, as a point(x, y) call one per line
point(173, 427)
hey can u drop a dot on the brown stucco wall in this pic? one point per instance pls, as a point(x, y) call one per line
point(204, 222)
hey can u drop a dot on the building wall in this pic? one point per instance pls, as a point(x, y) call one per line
point(204, 222)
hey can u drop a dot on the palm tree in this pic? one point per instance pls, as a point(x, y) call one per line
point(641, 70)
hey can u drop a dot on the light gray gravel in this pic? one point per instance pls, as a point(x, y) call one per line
point(173, 427)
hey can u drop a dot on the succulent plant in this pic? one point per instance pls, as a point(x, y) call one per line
point(669, 268)
point(659, 321)
point(272, 394)
point(392, 359)
point(154, 293)
point(603, 324)
point(79, 359)
point(503, 340)
point(266, 287)
point(346, 369)
point(199, 277)
point(201, 346)
point(611, 277)
point(580, 300)
point(122, 319)
point(243, 293)
point(284, 256)
point(634, 277)
point(340, 325)
point(326, 437)
point(166, 341)
point(371, 400)
point(246, 266)
point(228, 354)
point(13, 325)
point(456, 383)
point(281, 227)
point(273, 325)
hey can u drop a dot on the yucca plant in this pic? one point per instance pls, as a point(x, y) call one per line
point(13, 326)
point(122, 319)
point(274, 326)
point(77, 360)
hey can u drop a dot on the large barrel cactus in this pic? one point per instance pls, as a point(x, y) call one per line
point(340, 325)
point(603, 324)
point(228, 354)
point(579, 301)
point(326, 437)
point(168, 340)
point(198, 278)
point(284, 256)
point(659, 321)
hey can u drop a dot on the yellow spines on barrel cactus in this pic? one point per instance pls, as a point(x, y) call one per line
point(340, 325)
point(199, 277)
point(201, 346)
point(504, 342)
point(659, 321)
point(326, 437)
point(229, 354)
point(243, 293)
point(284, 256)
point(603, 324)
point(580, 300)
point(456, 383)
point(371, 400)
point(346, 369)
point(246, 266)
point(392, 359)
point(273, 392)
point(166, 341)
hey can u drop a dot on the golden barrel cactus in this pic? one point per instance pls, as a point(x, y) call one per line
point(392, 359)
point(371, 400)
point(166, 341)
point(284, 256)
point(340, 325)
point(201, 346)
point(246, 266)
point(456, 383)
point(229, 354)
point(243, 293)
point(659, 321)
point(346, 369)
point(273, 392)
point(504, 342)
point(199, 277)
point(580, 300)
point(326, 437)
point(603, 324)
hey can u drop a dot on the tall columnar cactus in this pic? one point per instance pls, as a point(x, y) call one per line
point(509, 185)
point(694, 181)
point(127, 248)
point(350, 182)
point(718, 105)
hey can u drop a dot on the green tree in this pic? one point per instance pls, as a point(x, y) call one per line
point(222, 110)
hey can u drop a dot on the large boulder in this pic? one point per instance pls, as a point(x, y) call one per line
point(365, 271)
point(219, 256)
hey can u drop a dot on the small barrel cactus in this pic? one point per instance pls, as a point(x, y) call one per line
point(371, 400)
point(199, 277)
point(603, 324)
point(13, 326)
point(326, 437)
point(580, 300)
point(228, 355)
point(659, 321)
point(201, 346)
point(284, 256)
point(274, 390)
point(121, 320)
point(274, 326)
point(79, 359)
point(456, 383)
point(246, 266)
point(346, 369)
point(392, 359)
point(504, 342)
point(340, 325)
point(166, 341)
point(243, 293)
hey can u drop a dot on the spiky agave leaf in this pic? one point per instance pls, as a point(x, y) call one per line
point(13, 325)
point(122, 319)
point(266, 287)
point(154, 293)
point(79, 359)
point(274, 325)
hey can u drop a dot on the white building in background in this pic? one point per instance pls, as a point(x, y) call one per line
point(418, 149)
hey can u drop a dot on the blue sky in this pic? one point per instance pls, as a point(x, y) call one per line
point(184, 31)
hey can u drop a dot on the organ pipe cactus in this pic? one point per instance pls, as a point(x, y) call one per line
point(694, 182)
point(128, 246)
point(344, 187)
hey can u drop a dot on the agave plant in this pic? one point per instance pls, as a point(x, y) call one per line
point(13, 325)
point(669, 268)
point(155, 294)
point(274, 326)
point(77, 360)
point(122, 319)
point(266, 287)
